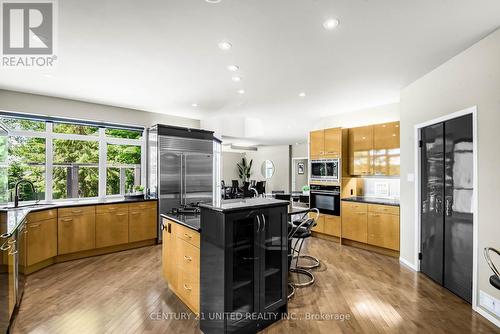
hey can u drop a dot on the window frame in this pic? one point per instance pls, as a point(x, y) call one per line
point(49, 135)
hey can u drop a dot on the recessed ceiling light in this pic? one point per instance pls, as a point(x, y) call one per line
point(194, 105)
point(233, 68)
point(302, 94)
point(213, 1)
point(331, 24)
point(241, 91)
point(225, 45)
point(236, 79)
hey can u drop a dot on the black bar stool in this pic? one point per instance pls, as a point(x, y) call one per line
point(314, 261)
point(300, 230)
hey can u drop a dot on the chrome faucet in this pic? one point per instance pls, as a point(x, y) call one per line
point(16, 197)
point(255, 191)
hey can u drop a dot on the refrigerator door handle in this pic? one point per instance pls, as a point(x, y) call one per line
point(181, 183)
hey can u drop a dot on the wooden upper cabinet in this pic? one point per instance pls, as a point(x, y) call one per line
point(332, 143)
point(143, 221)
point(386, 153)
point(317, 144)
point(386, 136)
point(360, 150)
point(41, 238)
point(111, 225)
point(75, 229)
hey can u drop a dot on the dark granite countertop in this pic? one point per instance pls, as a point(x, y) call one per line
point(191, 220)
point(15, 216)
point(244, 203)
point(372, 200)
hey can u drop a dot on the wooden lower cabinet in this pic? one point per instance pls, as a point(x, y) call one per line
point(355, 226)
point(111, 225)
point(41, 240)
point(320, 224)
point(376, 225)
point(143, 221)
point(333, 225)
point(181, 262)
point(75, 229)
point(383, 226)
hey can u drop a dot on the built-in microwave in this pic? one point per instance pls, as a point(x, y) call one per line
point(325, 170)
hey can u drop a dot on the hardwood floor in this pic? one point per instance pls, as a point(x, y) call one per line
point(125, 293)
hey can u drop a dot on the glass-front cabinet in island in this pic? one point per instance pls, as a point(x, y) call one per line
point(243, 278)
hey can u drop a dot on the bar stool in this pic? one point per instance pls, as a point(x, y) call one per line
point(300, 231)
point(315, 261)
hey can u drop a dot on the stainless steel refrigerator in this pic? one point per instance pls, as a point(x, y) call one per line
point(183, 166)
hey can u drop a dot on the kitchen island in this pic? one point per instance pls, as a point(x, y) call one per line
point(231, 270)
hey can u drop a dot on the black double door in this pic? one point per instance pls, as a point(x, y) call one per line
point(447, 204)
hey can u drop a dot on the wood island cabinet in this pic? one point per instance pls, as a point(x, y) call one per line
point(111, 225)
point(143, 221)
point(75, 229)
point(181, 262)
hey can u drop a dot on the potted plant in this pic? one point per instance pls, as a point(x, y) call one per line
point(139, 190)
point(244, 169)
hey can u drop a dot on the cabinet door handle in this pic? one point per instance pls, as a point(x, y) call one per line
point(34, 225)
point(187, 287)
point(264, 220)
point(67, 220)
point(121, 214)
point(188, 258)
point(134, 213)
point(258, 222)
point(187, 235)
point(76, 211)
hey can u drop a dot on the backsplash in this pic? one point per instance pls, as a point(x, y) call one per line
point(381, 187)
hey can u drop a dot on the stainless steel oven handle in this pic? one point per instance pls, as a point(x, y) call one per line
point(324, 192)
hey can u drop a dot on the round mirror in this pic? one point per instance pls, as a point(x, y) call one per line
point(267, 169)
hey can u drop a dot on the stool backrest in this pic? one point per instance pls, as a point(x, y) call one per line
point(307, 223)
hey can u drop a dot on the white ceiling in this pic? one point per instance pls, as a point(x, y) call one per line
point(162, 56)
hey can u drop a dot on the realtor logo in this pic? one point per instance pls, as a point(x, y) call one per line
point(27, 32)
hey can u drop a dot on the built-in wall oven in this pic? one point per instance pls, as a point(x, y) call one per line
point(327, 170)
point(326, 199)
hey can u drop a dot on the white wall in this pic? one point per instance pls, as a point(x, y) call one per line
point(280, 156)
point(300, 150)
point(53, 106)
point(469, 79)
point(375, 115)
point(229, 169)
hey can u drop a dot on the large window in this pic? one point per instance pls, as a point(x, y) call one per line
point(66, 160)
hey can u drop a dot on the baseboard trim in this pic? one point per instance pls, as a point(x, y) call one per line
point(487, 316)
point(408, 264)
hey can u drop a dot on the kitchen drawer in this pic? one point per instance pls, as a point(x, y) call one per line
point(142, 205)
point(188, 257)
point(188, 235)
point(189, 289)
point(76, 211)
point(355, 206)
point(389, 209)
point(42, 215)
point(111, 208)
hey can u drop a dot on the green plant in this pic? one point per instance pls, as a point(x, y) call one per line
point(244, 169)
point(139, 188)
point(305, 188)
